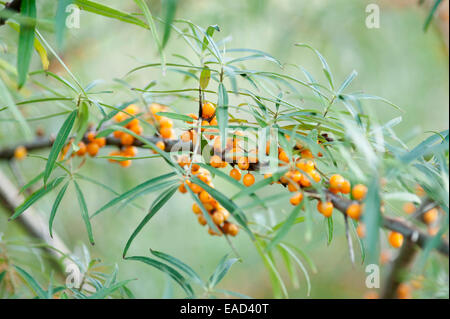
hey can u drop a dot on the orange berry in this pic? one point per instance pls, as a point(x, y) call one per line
point(81, 149)
point(202, 220)
point(236, 174)
point(90, 136)
point(119, 117)
point(193, 116)
point(166, 122)
point(137, 129)
point(304, 181)
point(126, 163)
point(195, 188)
point(101, 141)
point(243, 163)
point(215, 161)
point(315, 176)
point(359, 191)
point(296, 199)
point(420, 191)
point(161, 145)
point(345, 187)
point(282, 156)
point(213, 122)
point(118, 134)
point(409, 208)
point(361, 230)
point(132, 123)
point(309, 166)
point(92, 149)
point(166, 132)
point(371, 295)
point(182, 189)
point(218, 218)
point(130, 151)
point(306, 154)
point(208, 110)
point(248, 180)
point(430, 216)
point(336, 181)
point(230, 229)
point(403, 291)
point(395, 239)
point(205, 197)
point(213, 232)
point(127, 139)
point(293, 187)
point(196, 209)
point(354, 211)
point(186, 137)
point(20, 153)
point(133, 109)
point(325, 209)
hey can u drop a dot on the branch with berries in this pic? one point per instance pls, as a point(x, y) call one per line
point(164, 140)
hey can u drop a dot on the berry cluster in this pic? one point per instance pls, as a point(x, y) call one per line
point(218, 214)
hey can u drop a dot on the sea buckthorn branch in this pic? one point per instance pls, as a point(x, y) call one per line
point(394, 286)
point(340, 203)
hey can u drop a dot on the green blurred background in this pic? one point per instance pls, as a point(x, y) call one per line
point(398, 61)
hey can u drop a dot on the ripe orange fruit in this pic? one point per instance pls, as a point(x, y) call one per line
point(193, 116)
point(296, 199)
point(304, 181)
point(195, 188)
point(282, 156)
point(359, 191)
point(127, 139)
point(90, 136)
point(395, 239)
point(202, 220)
point(306, 154)
point(215, 161)
point(218, 218)
point(126, 163)
point(137, 129)
point(101, 141)
point(20, 153)
point(409, 208)
point(230, 229)
point(354, 211)
point(243, 163)
point(315, 176)
point(336, 181)
point(213, 122)
point(248, 180)
point(166, 122)
point(326, 208)
point(161, 145)
point(196, 209)
point(403, 291)
point(430, 216)
point(182, 189)
point(208, 110)
point(345, 187)
point(130, 151)
point(92, 149)
point(133, 109)
point(236, 174)
point(166, 132)
point(81, 149)
point(205, 197)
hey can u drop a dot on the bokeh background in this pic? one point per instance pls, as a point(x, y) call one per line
point(398, 61)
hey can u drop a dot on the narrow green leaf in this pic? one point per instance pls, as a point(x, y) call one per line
point(7, 100)
point(156, 206)
point(31, 282)
point(330, 227)
point(372, 219)
point(58, 199)
point(179, 264)
point(84, 212)
point(107, 291)
point(222, 112)
point(175, 116)
point(221, 270)
point(36, 196)
point(285, 227)
point(175, 275)
point(109, 12)
point(133, 191)
point(431, 14)
point(59, 143)
point(170, 8)
point(205, 76)
point(26, 40)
